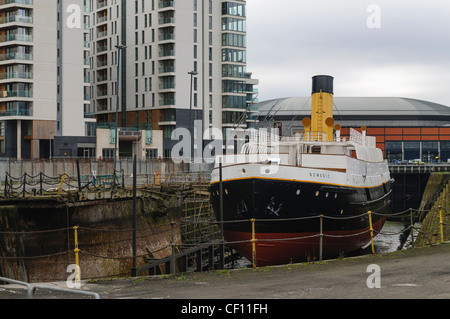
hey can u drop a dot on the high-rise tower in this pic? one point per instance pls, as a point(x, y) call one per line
point(43, 76)
point(181, 61)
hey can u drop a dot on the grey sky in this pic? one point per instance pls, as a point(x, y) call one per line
point(289, 41)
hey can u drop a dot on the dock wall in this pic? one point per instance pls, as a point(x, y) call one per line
point(37, 236)
point(436, 201)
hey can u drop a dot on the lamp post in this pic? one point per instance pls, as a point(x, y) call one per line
point(191, 126)
point(119, 49)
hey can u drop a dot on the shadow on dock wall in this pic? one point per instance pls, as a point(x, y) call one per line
point(408, 190)
point(37, 237)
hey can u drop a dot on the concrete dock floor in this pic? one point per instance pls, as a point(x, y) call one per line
point(421, 273)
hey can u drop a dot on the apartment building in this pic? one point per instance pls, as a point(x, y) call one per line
point(176, 62)
point(44, 81)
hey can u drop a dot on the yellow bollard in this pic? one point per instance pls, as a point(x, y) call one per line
point(62, 182)
point(253, 243)
point(441, 222)
point(371, 231)
point(76, 250)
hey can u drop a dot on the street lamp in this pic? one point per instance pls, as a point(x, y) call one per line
point(191, 126)
point(119, 49)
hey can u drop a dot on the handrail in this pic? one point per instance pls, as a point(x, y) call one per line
point(31, 289)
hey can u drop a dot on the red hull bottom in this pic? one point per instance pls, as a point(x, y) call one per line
point(275, 249)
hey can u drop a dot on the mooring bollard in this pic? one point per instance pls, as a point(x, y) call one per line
point(371, 231)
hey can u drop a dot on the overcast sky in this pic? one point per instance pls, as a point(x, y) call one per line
point(404, 53)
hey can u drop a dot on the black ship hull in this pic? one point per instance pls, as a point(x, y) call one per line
point(288, 222)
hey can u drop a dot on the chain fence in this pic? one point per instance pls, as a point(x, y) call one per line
point(169, 231)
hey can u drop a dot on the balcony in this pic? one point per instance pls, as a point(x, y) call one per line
point(102, 34)
point(166, 4)
point(16, 56)
point(16, 75)
point(16, 37)
point(167, 69)
point(16, 112)
point(102, 4)
point(168, 102)
point(166, 20)
point(102, 93)
point(166, 37)
point(16, 19)
point(16, 93)
point(26, 2)
point(167, 86)
point(166, 53)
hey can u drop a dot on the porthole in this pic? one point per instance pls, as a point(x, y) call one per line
point(336, 195)
point(317, 193)
point(327, 195)
point(226, 191)
point(243, 171)
point(298, 192)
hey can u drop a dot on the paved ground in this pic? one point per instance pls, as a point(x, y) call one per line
point(418, 273)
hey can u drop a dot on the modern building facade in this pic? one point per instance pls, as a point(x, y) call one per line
point(405, 129)
point(43, 75)
point(177, 62)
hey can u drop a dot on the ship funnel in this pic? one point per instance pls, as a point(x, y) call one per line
point(322, 122)
point(323, 83)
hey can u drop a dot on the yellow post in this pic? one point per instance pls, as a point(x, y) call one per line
point(253, 243)
point(371, 231)
point(441, 222)
point(76, 250)
point(62, 182)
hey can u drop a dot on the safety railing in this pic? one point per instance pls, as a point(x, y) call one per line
point(321, 234)
point(168, 230)
point(44, 185)
point(31, 289)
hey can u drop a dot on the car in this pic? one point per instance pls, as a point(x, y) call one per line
point(418, 162)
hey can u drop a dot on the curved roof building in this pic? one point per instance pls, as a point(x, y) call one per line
point(405, 128)
point(370, 109)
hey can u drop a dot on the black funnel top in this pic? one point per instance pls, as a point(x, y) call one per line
point(323, 83)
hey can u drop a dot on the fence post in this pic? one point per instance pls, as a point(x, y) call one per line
point(371, 231)
point(412, 227)
point(76, 250)
point(79, 175)
point(6, 185)
point(24, 192)
point(321, 239)
point(441, 222)
point(173, 249)
point(133, 270)
point(62, 182)
point(40, 183)
point(253, 242)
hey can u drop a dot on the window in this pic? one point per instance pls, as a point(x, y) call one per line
point(108, 153)
point(151, 153)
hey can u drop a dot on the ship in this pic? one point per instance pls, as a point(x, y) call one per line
point(311, 195)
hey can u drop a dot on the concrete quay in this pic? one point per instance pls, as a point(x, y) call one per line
point(420, 273)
